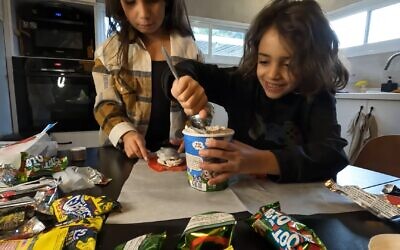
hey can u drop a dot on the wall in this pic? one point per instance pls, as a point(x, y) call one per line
point(371, 68)
point(243, 10)
point(5, 113)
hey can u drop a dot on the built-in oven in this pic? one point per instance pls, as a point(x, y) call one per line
point(51, 90)
point(55, 29)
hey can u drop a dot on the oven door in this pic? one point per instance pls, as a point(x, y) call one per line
point(48, 94)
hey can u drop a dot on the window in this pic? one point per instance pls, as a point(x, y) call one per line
point(383, 22)
point(354, 25)
point(227, 43)
point(367, 27)
point(220, 41)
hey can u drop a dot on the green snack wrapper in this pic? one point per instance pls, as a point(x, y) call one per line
point(34, 167)
point(82, 206)
point(212, 230)
point(282, 231)
point(144, 242)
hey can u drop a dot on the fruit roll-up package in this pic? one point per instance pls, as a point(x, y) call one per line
point(282, 231)
point(212, 230)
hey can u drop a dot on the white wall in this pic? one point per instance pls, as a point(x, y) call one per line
point(243, 10)
point(371, 67)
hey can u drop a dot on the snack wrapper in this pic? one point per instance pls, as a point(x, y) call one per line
point(33, 167)
point(374, 203)
point(82, 234)
point(53, 239)
point(8, 175)
point(283, 231)
point(82, 206)
point(391, 189)
point(208, 231)
point(13, 218)
point(29, 229)
point(144, 242)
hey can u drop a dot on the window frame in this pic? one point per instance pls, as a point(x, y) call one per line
point(366, 48)
point(211, 24)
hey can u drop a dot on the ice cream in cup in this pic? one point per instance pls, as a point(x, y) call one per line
point(195, 141)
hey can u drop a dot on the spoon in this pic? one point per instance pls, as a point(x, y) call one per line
point(194, 121)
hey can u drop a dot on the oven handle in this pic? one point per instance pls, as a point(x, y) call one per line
point(58, 70)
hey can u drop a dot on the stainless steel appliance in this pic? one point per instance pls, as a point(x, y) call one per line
point(55, 29)
point(54, 90)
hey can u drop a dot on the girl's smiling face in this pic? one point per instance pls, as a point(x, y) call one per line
point(273, 64)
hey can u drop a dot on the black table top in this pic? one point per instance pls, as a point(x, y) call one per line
point(350, 230)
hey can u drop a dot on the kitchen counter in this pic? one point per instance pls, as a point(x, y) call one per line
point(369, 96)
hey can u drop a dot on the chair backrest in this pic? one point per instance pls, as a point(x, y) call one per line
point(381, 154)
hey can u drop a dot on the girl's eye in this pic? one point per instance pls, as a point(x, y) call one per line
point(263, 62)
point(129, 1)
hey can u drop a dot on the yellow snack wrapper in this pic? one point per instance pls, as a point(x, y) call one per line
point(82, 206)
point(51, 240)
point(82, 234)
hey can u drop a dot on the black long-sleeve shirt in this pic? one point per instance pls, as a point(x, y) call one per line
point(301, 131)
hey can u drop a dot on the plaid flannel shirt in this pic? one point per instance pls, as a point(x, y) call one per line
point(123, 101)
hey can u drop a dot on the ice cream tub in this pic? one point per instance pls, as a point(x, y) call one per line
point(194, 141)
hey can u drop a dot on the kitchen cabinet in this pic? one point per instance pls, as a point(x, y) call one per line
point(386, 109)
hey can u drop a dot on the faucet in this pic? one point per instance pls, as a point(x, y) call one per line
point(390, 60)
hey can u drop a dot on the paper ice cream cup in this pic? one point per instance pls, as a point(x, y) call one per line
point(198, 178)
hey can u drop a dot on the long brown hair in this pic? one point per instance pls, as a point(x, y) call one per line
point(315, 63)
point(176, 20)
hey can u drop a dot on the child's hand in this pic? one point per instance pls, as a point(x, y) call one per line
point(190, 94)
point(239, 158)
point(135, 145)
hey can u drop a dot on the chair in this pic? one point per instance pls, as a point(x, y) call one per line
point(381, 154)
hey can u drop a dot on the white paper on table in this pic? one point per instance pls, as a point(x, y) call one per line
point(149, 196)
point(295, 198)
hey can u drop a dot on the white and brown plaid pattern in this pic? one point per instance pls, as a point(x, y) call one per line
point(123, 100)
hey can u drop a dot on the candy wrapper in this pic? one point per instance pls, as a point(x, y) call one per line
point(29, 229)
point(39, 144)
point(144, 242)
point(76, 178)
point(208, 231)
point(82, 234)
point(283, 231)
point(36, 166)
point(53, 239)
point(374, 203)
point(13, 218)
point(82, 206)
point(8, 175)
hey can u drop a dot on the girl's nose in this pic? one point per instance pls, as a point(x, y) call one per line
point(273, 71)
point(142, 9)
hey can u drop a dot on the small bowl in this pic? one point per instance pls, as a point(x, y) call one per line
point(77, 154)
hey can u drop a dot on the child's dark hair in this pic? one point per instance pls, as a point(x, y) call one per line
point(315, 63)
point(176, 19)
